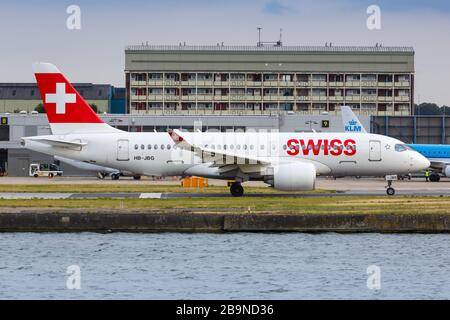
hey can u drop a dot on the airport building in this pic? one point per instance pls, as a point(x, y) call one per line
point(267, 80)
point(16, 97)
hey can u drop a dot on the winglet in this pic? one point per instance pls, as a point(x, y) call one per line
point(176, 137)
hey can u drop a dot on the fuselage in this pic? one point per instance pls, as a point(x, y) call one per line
point(156, 154)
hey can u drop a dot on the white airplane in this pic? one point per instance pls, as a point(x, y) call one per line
point(437, 154)
point(286, 161)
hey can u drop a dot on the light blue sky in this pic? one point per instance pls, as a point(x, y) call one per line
point(37, 32)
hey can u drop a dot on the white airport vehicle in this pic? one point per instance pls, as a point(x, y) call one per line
point(44, 170)
point(286, 161)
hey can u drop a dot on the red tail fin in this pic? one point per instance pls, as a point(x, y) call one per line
point(65, 107)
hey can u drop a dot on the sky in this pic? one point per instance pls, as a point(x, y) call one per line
point(36, 31)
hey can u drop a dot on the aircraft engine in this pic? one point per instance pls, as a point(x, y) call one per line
point(447, 171)
point(299, 176)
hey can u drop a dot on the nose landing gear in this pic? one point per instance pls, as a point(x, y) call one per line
point(389, 189)
point(236, 189)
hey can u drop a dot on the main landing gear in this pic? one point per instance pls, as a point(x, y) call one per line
point(236, 189)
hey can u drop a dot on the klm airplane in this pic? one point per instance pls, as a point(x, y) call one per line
point(438, 154)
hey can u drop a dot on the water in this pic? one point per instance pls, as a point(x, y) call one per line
point(222, 266)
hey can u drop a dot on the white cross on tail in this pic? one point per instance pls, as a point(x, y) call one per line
point(60, 97)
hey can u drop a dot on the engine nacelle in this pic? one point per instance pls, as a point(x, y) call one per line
point(299, 176)
point(447, 171)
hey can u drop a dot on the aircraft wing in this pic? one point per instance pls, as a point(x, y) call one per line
point(224, 159)
point(58, 142)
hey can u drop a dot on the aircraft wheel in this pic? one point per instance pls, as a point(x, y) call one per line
point(236, 189)
point(36, 175)
point(50, 175)
point(115, 176)
point(435, 177)
point(137, 177)
point(390, 191)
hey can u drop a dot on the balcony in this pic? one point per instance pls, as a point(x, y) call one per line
point(155, 97)
point(237, 97)
point(237, 83)
point(369, 83)
point(191, 83)
point(286, 98)
point(336, 98)
point(336, 84)
point(253, 98)
point(221, 98)
point(253, 83)
point(385, 84)
point(401, 99)
point(287, 83)
point(303, 98)
point(205, 97)
point(270, 83)
point(319, 83)
point(368, 97)
point(319, 98)
point(353, 83)
point(138, 83)
point(221, 83)
point(171, 97)
point(188, 98)
point(204, 83)
point(303, 83)
point(270, 98)
point(155, 83)
point(385, 98)
point(353, 98)
point(402, 84)
point(138, 97)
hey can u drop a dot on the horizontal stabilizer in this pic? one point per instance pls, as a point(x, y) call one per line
point(59, 143)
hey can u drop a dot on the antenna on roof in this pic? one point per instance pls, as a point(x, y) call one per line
point(259, 44)
point(281, 35)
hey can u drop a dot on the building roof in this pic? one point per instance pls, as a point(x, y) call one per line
point(331, 49)
point(29, 91)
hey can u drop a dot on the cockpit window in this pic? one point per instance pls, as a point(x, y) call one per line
point(401, 147)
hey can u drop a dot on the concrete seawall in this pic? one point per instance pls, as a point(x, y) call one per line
point(173, 221)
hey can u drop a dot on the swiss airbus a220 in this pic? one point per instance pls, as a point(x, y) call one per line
point(288, 161)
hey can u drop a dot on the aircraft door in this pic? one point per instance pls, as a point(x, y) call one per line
point(374, 151)
point(123, 150)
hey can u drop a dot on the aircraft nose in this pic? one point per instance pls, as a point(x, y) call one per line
point(420, 162)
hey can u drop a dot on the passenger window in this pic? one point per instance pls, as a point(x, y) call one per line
point(251, 147)
point(155, 147)
point(168, 147)
point(142, 147)
point(162, 147)
point(149, 147)
point(136, 147)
